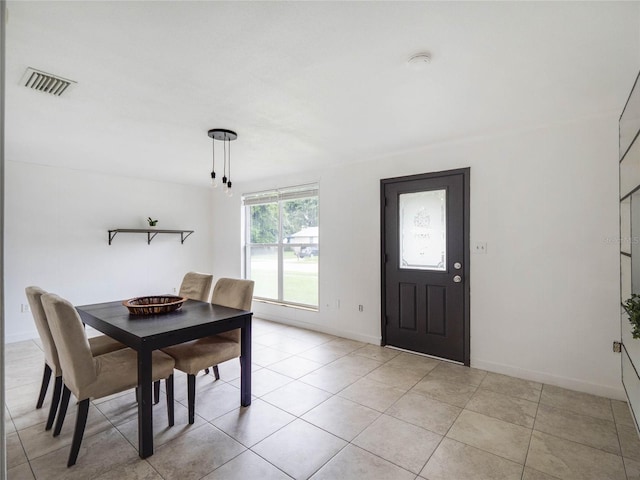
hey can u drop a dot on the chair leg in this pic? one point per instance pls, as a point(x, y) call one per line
point(216, 373)
point(46, 376)
point(81, 422)
point(156, 392)
point(191, 397)
point(55, 401)
point(168, 383)
point(64, 404)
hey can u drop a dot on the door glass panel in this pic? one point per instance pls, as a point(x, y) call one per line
point(423, 230)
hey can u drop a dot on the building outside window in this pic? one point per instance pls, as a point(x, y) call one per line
point(282, 245)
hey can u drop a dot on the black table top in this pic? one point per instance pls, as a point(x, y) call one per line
point(114, 319)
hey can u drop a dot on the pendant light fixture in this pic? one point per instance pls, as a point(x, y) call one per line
point(226, 136)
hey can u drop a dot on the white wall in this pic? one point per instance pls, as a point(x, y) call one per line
point(545, 297)
point(56, 223)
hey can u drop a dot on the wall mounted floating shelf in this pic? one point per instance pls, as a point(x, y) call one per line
point(151, 233)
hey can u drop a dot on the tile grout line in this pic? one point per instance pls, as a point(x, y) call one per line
point(448, 429)
point(409, 390)
point(348, 442)
point(526, 457)
point(417, 426)
point(24, 451)
point(588, 416)
point(624, 465)
point(462, 409)
point(441, 436)
point(580, 443)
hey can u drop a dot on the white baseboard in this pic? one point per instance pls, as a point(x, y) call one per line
point(21, 337)
point(322, 329)
point(615, 392)
point(535, 376)
point(33, 335)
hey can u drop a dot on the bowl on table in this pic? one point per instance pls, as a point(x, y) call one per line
point(154, 304)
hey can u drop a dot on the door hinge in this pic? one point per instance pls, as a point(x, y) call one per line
point(617, 346)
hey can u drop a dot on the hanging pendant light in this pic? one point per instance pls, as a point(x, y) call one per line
point(226, 136)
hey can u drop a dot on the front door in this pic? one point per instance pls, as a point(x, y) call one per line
point(425, 263)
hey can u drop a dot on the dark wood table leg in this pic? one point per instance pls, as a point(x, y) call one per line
point(145, 403)
point(245, 363)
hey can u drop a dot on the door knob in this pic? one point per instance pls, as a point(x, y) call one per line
point(457, 279)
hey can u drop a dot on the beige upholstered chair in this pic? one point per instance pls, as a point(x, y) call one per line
point(196, 286)
point(89, 377)
point(191, 357)
point(98, 345)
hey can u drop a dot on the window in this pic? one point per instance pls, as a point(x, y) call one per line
point(282, 244)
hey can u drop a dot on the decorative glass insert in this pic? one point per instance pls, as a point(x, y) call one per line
point(423, 230)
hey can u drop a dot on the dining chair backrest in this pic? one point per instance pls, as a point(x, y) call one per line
point(71, 342)
point(196, 286)
point(34, 295)
point(233, 293)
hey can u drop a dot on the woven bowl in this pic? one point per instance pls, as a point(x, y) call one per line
point(154, 305)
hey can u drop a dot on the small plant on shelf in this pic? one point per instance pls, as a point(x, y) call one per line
point(632, 307)
point(152, 222)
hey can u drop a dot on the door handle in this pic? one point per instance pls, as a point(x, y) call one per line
point(457, 279)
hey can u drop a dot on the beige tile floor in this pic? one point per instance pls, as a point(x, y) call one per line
point(331, 408)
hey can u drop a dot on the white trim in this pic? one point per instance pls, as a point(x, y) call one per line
point(33, 335)
point(374, 340)
point(550, 379)
point(532, 375)
point(21, 337)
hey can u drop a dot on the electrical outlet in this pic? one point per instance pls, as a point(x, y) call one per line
point(617, 347)
point(174, 290)
point(360, 308)
point(24, 308)
point(480, 247)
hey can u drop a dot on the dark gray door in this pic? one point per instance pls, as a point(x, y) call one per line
point(425, 267)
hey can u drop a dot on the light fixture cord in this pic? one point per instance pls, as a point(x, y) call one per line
point(213, 156)
point(225, 157)
point(229, 160)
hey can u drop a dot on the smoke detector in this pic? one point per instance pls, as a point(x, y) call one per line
point(419, 61)
point(46, 82)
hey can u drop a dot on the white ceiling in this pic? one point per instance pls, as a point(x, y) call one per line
point(304, 84)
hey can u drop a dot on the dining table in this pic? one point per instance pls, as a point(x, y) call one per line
point(146, 333)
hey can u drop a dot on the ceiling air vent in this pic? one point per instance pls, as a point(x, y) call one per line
point(46, 82)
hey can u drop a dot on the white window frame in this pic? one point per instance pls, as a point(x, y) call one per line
point(278, 196)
